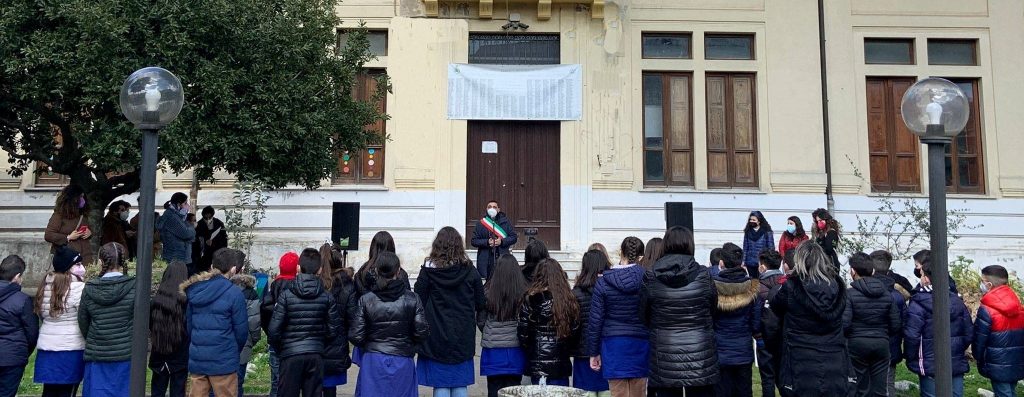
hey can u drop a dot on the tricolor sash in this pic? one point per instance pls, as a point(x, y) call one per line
point(493, 227)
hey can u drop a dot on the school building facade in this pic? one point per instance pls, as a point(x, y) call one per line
point(714, 102)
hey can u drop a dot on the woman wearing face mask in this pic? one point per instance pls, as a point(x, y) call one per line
point(826, 233)
point(115, 223)
point(213, 236)
point(176, 234)
point(793, 236)
point(757, 237)
point(69, 224)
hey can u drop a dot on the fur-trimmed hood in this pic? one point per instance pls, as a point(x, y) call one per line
point(244, 281)
point(205, 288)
point(735, 289)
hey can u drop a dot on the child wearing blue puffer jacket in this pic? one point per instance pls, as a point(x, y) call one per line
point(737, 319)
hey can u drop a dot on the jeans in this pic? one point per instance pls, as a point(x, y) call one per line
point(1004, 389)
point(10, 379)
point(928, 386)
point(275, 372)
point(451, 392)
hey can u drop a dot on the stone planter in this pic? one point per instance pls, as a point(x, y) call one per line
point(541, 391)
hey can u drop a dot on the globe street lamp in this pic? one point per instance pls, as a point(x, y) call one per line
point(150, 98)
point(936, 110)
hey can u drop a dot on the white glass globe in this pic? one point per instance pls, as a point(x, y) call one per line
point(935, 101)
point(151, 98)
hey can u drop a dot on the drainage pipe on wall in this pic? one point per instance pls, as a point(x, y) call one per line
point(824, 107)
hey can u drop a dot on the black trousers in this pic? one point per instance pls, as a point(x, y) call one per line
point(60, 390)
point(767, 363)
point(498, 382)
point(735, 381)
point(173, 382)
point(870, 359)
point(692, 391)
point(302, 374)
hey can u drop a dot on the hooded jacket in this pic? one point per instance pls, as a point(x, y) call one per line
point(899, 299)
point(815, 360)
point(176, 236)
point(677, 299)
point(770, 282)
point(583, 298)
point(615, 307)
point(918, 335)
point(106, 317)
point(870, 310)
point(737, 316)
point(343, 290)
point(390, 320)
point(247, 284)
point(486, 255)
point(306, 319)
point(999, 336)
point(217, 322)
point(547, 354)
point(270, 297)
point(61, 333)
point(451, 297)
point(19, 326)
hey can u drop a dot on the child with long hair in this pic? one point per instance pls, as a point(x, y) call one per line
point(827, 232)
point(535, 252)
point(388, 326)
point(337, 280)
point(451, 292)
point(792, 236)
point(502, 360)
point(106, 318)
point(365, 277)
point(549, 325)
point(654, 250)
point(59, 359)
point(168, 337)
point(757, 236)
point(594, 263)
point(616, 337)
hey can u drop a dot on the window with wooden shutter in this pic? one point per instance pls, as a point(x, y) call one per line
point(668, 129)
point(731, 130)
point(893, 149)
point(367, 165)
point(964, 166)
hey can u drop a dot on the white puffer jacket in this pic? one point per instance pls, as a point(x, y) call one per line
point(61, 333)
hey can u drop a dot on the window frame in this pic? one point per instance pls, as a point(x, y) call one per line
point(893, 126)
point(730, 135)
point(953, 156)
point(687, 35)
point(341, 40)
point(753, 44)
point(380, 152)
point(912, 59)
point(666, 139)
point(974, 53)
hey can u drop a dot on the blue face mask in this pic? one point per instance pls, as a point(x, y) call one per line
point(791, 229)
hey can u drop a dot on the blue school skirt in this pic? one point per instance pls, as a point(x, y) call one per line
point(59, 368)
point(437, 374)
point(624, 357)
point(502, 361)
point(106, 379)
point(335, 380)
point(385, 375)
point(585, 378)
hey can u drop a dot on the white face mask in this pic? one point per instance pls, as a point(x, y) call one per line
point(124, 215)
point(492, 212)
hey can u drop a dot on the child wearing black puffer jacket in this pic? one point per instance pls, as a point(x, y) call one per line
point(870, 317)
point(737, 321)
point(388, 326)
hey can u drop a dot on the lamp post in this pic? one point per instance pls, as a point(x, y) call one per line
point(936, 110)
point(150, 98)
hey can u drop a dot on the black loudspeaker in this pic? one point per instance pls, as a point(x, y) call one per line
point(345, 226)
point(679, 214)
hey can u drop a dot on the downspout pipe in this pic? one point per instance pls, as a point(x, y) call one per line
point(831, 202)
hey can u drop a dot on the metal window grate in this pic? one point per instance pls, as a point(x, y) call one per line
point(514, 49)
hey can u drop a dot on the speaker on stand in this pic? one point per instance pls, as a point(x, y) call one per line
point(679, 213)
point(345, 228)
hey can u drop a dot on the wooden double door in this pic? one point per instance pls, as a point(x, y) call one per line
point(517, 164)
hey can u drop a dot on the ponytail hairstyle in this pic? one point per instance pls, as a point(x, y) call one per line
point(113, 256)
point(177, 199)
point(632, 250)
point(388, 265)
point(549, 277)
point(330, 265)
point(167, 312)
point(505, 289)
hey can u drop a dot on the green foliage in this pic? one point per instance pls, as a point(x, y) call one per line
point(247, 211)
point(903, 227)
point(266, 88)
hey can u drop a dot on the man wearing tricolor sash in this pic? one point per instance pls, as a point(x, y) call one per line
point(493, 236)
